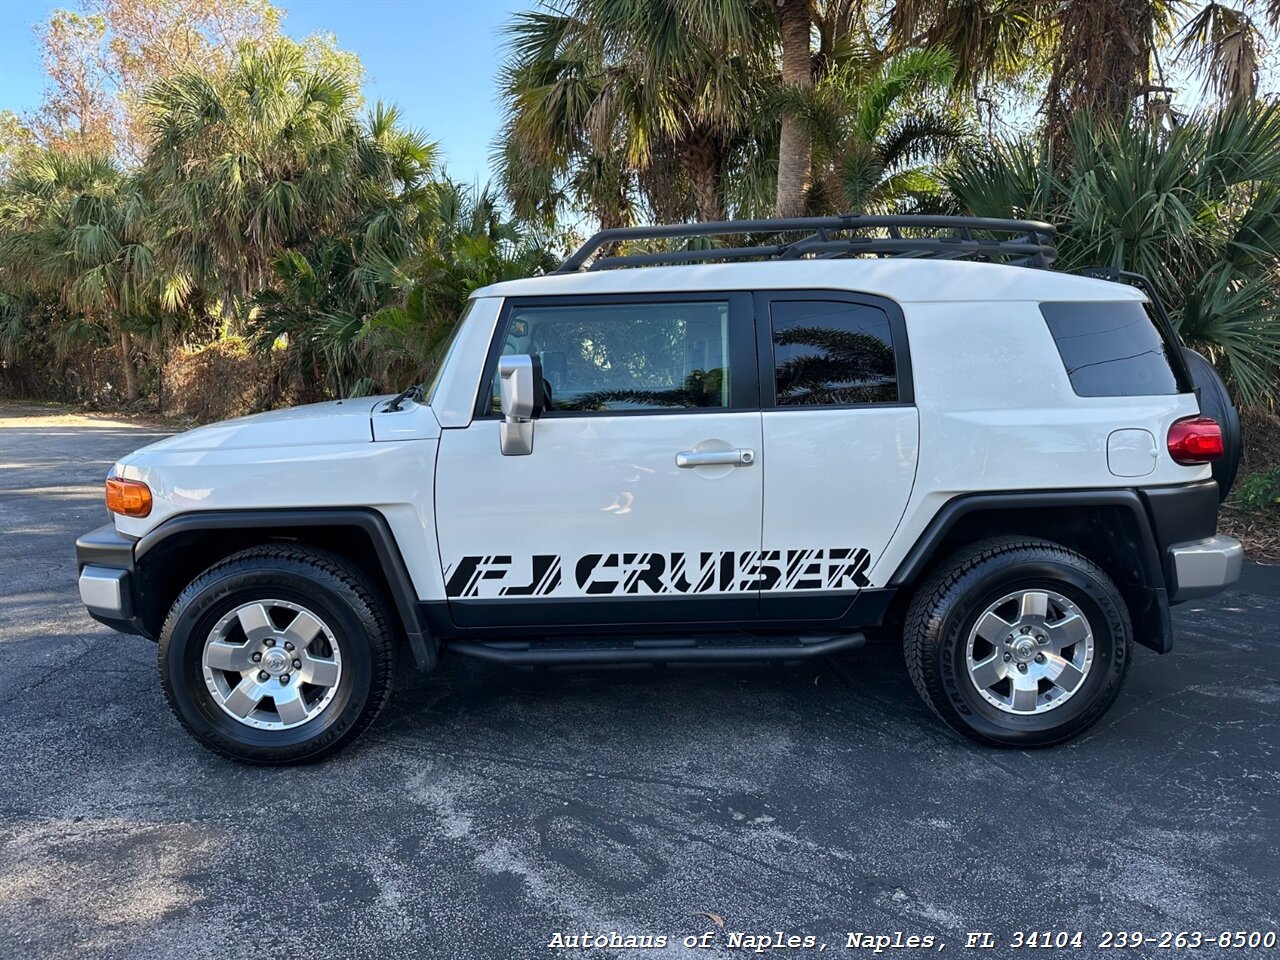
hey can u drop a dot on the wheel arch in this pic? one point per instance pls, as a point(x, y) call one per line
point(169, 557)
point(1109, 527)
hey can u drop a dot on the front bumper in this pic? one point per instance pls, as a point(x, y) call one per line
point(107, 574)
point(1205, 567)
point(106, 592)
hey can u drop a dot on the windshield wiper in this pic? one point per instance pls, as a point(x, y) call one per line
point(415, 391)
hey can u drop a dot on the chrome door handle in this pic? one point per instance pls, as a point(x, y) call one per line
point(715, 458)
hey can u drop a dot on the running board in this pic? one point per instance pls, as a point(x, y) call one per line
point(672, 650)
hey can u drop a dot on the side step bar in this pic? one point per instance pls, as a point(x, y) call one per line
point(522, 653)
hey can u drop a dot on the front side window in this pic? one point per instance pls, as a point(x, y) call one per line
point(626, 356)
point(445, 354)
point(831, 352)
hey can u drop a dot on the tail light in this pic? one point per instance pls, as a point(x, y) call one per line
point(132, 498)
point(1195, 440)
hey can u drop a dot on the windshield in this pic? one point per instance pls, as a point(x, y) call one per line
point(445, 352)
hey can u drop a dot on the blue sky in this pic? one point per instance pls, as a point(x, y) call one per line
point(435, 59)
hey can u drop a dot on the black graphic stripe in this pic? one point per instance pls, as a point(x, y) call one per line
point(747, 571)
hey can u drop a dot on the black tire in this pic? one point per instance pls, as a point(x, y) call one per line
point(322, 582)
point(950, 600)
point(1216, 402)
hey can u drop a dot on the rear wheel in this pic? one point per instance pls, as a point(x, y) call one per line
point(1018, 642)
point(277, 654)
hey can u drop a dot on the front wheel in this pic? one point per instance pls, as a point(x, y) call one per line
point(1018, 642)
point(277, 654)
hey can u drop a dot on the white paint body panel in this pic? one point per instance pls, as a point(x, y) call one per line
point(595, 485)
point(250, 464)
point(338, 421)
point(1132, 453)
point(906, 281)
point(413, 421)
point(453, 399)
point(837, 477)
point(997, 413)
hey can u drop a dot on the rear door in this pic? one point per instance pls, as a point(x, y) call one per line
point(616, 516)
point(841, 441)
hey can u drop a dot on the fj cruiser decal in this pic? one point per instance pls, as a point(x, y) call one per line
point(644, 574)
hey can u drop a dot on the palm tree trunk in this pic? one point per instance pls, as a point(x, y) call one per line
point(126, 363)
point(1102, 56)
point(700, 157)
point(794, 148)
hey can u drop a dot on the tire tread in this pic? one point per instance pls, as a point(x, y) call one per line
point(368, 607)
point(923, 620)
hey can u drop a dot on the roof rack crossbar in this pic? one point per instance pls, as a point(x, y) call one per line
point(938, 248)
point(684, 256)
point(1034, 245)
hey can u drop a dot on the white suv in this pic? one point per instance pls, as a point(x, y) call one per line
point(731, 452)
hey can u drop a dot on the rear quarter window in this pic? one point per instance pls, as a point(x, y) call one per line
point(1111, 349)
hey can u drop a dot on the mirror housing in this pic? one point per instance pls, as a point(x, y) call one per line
point(520, 398)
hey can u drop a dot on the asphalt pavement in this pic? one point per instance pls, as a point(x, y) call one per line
point(490, 810)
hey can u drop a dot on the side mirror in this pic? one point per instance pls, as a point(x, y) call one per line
point(520, 397)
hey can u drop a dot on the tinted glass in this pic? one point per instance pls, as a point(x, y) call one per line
point(1110, 349)
point(627, 356)
point(445, 353)
point(828, 352)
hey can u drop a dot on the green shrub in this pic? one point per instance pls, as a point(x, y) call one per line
point(1259, 491)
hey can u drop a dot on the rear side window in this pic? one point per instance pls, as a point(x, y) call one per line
point(1110, 349)
point(831, 352)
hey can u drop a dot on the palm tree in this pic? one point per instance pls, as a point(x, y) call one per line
point(872, 125)
point(357, 316)
point(601, 92)
point(1196, 209)
point(1097, 56)
point(326, 291)
point(249, 163)
point(992, 42)
point(559, 143)
point(1225, 44)
point(72, 228)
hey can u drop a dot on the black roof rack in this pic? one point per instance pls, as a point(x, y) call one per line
point(1022, 242)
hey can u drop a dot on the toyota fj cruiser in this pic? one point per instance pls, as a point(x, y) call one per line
point(751, 450)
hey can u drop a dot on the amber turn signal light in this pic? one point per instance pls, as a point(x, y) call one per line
point(131, 498)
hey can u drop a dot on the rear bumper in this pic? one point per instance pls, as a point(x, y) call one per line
point(104, 558)
point(1197, 561)
point(1204, 567)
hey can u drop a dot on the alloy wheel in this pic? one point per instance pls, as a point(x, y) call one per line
point(1029, 652)
point(271, 664)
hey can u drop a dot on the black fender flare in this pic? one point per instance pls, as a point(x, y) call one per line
point(368, 521)
point(1147, 593)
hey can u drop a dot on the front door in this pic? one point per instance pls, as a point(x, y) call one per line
point(642, 499)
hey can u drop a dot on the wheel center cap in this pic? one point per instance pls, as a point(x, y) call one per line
point(275, 661)
point(1024, 650)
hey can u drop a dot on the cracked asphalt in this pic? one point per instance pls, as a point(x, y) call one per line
point(488, 809)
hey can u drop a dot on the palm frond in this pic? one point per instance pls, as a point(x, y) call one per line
point(1224, 44)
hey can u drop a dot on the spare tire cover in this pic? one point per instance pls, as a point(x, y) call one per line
point(1216, 402)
